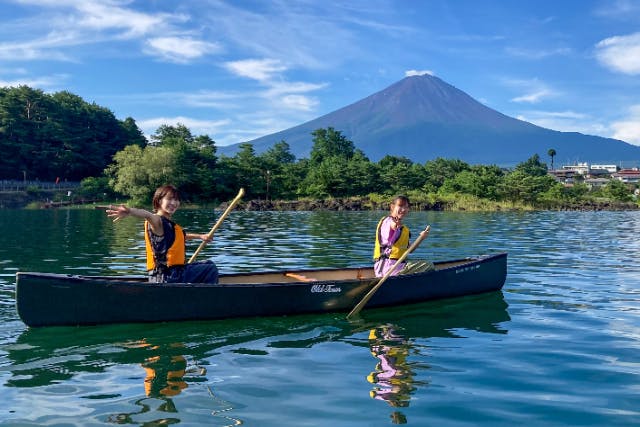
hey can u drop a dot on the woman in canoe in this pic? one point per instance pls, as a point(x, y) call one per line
point(392, 238)
point(165, 241)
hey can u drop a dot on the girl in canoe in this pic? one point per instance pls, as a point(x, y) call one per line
point(165, 241)
point(392, 238)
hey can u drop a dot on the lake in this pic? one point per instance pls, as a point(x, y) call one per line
point(559, 345)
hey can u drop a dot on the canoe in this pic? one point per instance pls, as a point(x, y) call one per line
point(48, 299)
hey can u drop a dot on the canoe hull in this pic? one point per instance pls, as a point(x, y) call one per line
point(44, 299)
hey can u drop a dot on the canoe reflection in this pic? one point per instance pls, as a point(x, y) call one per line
point(164, 373)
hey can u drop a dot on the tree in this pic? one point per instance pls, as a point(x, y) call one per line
point(617, 190)
point(278, 172)
point(552, 154)
point(518, 185)
point(480, 181)
point(400, 175)
point(329, 143)
point(438, 170)
point(171, 135)
point(60, 135)
point(532, 166)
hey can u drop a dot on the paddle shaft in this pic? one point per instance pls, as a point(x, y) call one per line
point(217, 224)
point(423, 235)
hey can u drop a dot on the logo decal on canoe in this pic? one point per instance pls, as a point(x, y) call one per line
point(325, 288)
point(465, 269)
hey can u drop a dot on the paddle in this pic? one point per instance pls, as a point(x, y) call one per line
point(423, 235)
point(217, 224)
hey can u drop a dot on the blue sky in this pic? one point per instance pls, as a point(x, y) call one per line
point(238, 70)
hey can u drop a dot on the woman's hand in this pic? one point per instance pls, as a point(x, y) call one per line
point(205, 237)
point(118, 212)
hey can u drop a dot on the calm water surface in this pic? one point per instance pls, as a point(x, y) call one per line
point(558, 346)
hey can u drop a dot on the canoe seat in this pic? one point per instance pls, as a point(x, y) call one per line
point(300, 277)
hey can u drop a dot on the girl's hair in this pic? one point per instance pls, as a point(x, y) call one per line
point(163, 191)
point(402, 199)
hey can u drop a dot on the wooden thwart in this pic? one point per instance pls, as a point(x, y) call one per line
point(300, 277)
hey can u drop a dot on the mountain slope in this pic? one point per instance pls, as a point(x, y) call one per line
point(423, 117)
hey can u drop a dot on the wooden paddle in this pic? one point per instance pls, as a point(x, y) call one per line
point(423, 235)
point(217, 224)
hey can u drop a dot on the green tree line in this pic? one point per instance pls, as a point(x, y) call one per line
point(49, 136)
point(334, 169)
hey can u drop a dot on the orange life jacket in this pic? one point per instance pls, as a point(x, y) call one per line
point(176, 252)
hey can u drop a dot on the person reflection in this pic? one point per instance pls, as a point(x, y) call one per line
point(166, 372)
point(164, 377)
point(392, 378)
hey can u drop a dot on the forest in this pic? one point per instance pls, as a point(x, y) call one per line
point(54, 136)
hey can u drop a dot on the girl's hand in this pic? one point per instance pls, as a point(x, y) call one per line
point(118, 212)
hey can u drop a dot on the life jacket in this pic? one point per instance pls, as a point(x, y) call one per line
point(398, 247)
point(175, 242)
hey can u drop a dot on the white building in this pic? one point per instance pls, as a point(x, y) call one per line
point(581, 168)
point(607, 168)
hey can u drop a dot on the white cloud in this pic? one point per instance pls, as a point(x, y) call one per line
point(65, 24)
point(261, 70)
point(196, 126)
point(279, 88)
point(537, 54)
point(409, 73)
point(533, 97)
point(534, 90)
point(620, 53)
point(566, 121)
point(101, 15)
point(628, 129)
point(180, 49)
point(299, 102)
point(43, 82)
point(280, 93)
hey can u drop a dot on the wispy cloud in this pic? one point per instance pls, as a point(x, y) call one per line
point(535, 54)
point(280, 93)
point(622, 10)
point(566, 121)
point(180, 49)
point(534, 90)
point(409, 73)
point(63, 25)
point(628, 129)
point(52, 82)
point(533, 97)
point(262, 70)
point(197, 126)
point(620, 53)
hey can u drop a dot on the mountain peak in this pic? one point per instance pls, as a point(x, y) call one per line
point(426, 98)
point(423, 117)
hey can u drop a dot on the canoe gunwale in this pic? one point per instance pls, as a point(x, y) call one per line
point(440, 266)
point(47, 299)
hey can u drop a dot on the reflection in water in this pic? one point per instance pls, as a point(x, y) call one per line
point(393, 377)
point(165, 374)
point(392, 342)
point(161, 374)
